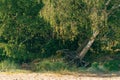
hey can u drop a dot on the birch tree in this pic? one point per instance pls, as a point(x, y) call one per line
point(78, 18)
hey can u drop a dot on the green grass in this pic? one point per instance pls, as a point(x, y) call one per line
point(59, 66)
point(47, 65)
point(105, 67)
point(7, 65)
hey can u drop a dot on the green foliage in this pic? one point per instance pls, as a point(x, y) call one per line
point(23, 28)
point(94, 67)
point(65, 20)
point(57, 44)
point(113, 65)
point(107, 66)
point(7, 65)
point(47, 65)
point(2, 54)
point(15, 51)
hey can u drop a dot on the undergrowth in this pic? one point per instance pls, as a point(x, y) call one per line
point(107, 66)
point(48, 65)
point(7, 65)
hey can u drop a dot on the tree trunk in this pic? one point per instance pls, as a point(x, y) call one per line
point(82, 53)
point(80, 48)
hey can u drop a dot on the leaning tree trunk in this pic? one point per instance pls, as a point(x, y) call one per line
point(77, 56)
point(83, 52)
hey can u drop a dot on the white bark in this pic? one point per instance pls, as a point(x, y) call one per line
point(89, 44)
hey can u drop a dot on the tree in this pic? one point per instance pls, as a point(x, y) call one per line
point(20, 24)
point(77, 18)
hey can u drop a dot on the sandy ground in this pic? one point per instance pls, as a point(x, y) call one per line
point(52, 76)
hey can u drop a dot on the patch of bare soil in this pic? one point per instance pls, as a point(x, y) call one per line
point(53, 76)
